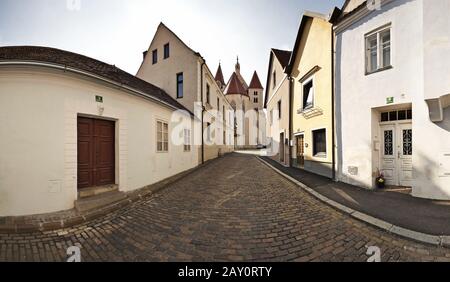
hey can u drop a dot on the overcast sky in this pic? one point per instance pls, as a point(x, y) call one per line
point(118, 31)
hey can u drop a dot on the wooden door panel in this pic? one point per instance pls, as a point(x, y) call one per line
point(96, 152)
point(85, 153)
point(105, 152)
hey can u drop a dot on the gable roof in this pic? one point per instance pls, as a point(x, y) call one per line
point(351, 5)
point(282, 56)
point(305, 18)
point(162, 25)
point(349, 8)
point(255, 83)
point(219, 75)
point(235, 86)
point(65, 59)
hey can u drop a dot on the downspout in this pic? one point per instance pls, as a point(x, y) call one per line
point(333, 130)
point(291, 123)
point(203, 109)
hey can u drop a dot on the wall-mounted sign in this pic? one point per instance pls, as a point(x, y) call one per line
point(390, 100)
point(99, 99)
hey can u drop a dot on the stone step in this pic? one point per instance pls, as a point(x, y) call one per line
point(93, 191)
point(99, 201)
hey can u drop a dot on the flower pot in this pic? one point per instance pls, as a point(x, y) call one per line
point(381, 183)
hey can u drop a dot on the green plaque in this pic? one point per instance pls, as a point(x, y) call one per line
point(390, 100)
point(99, 99)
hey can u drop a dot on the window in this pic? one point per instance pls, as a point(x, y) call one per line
point(166, 51)
point(271, 117)
point(155, 56)
point(308, 95)
point(224, 117)
point(208, 94)
point(396, 115)
point(255, 93)
point(180, 85)
point(255, 100)
point(378, 50)
point(218, 104)
point(320, 143)
point(279, 109)
point(162, 134)
point(274, 79)
point(187, 140)
point(208, 132)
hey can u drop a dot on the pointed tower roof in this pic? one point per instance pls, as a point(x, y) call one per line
point(234, 86)
point(219, 75)
point(255, 83)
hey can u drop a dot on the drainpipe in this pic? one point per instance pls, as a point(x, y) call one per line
point(203, 109)
point(291, 123)
point(333, 105)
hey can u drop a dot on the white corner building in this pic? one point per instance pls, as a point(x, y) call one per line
point(393, 95)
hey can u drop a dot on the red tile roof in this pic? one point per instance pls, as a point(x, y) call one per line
point(234, 86)
point(255, 83)
point(83, 63)
point(219, 75)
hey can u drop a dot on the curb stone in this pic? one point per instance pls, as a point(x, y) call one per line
point(443, 241)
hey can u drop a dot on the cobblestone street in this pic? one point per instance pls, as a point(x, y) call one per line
point(233, 209)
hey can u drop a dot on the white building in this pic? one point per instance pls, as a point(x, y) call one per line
point(393, 94)
point(70, 123)
point(183, 73)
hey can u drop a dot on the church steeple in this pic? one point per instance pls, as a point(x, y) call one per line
point(237, 67)
point(219, 76)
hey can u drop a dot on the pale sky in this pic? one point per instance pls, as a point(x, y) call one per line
point(118, 31)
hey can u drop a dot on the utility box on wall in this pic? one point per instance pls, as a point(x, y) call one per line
point(444, 165)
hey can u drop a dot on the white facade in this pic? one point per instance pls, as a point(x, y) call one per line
point(197, 79)
point(420, 52)
point(38, 128)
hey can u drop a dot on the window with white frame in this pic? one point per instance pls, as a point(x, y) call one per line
point(308, 94)
point(162, 133)
point(187, 140)
point(378, 50)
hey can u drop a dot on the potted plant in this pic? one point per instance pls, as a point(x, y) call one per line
point(380, 181)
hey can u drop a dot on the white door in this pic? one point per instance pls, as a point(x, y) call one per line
point(404, 154)
point(396, 154)
point(389, 155)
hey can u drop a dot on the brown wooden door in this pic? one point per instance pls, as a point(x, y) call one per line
point(96, 152)
point(301, 150)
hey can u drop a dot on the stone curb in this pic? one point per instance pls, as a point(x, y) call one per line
point(82, 218)
point(443, 241)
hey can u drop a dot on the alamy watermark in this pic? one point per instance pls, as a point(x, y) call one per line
point(374, 254)
point(73, 5)
point(373, 5)
point(74, 254)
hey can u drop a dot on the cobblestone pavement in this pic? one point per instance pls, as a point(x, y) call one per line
point(233, 209)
